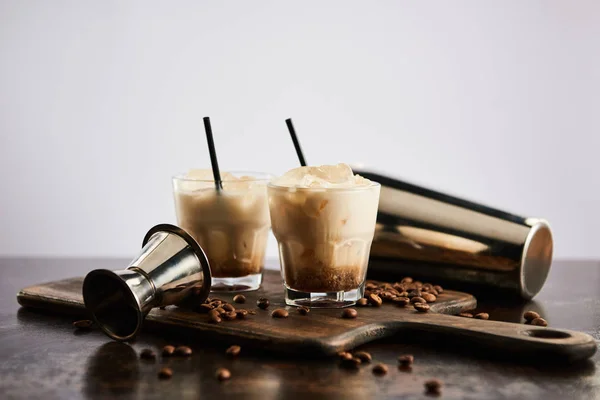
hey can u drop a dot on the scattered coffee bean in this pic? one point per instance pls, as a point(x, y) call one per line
point(429, 297)
point(418, 284)
point(349, 313)
point(228, 308)
point(421, 307)
point(241, 314)
point(531, 315)
point(401, 301)
point(482, 315)
point(229, 316)
point(375, 300)
point(212, 300)
point(433, 292)
point(303, 310)
point(165, 373)
point(148, 354)
point(83, 324)
point(344, 355)
point(406, 359)
point(239, 298)
point(414, 293)
point(363, 302)
point(364, 356)
point(417, 299)
point(168, 351)
point(183, 351)
point(433, 386)
point(539, 322)
point(408, 279)
point(380, 369)
point(371, 286)
point(279, 313)
point(233, 351)
point(220, 310)
point(204, 308)
point(438, 289)
point(263, 303)
point(351, 363)
point(465, 314)
point(251, 312)
point(223, 374)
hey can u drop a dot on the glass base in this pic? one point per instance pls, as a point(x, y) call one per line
point(240, 284)
point(323, 300)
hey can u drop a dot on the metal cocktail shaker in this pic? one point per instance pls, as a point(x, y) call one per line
point(434, 236)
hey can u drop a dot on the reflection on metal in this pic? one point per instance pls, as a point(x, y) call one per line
point(424, 233)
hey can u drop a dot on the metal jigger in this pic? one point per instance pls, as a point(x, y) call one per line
point(171, 269)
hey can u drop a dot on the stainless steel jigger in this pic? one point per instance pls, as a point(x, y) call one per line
point(171, 269)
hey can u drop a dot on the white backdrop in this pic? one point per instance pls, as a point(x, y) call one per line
point(102, 101)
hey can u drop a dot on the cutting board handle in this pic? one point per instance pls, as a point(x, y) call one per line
point(519, 339)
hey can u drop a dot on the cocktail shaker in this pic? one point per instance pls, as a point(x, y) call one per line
point(442, 238)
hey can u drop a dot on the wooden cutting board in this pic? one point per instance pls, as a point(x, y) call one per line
point(324, 332)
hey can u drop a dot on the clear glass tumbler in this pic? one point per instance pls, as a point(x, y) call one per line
point(324, 237)
point(231, 225)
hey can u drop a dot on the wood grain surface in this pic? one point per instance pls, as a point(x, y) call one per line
point(324, 332)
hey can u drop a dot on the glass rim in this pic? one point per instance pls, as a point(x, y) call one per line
point(257, 177)
point(359, 188)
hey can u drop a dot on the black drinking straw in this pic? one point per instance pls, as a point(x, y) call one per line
point(213, 155)
point(290, 126)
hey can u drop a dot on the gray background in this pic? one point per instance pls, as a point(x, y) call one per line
point(101, 102)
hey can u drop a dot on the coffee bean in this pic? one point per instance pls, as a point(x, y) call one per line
point(303, 310)
point(223, 374)
point(363, 302)
point(370, 286)
point(213, 314)
point(168, 351)
point(183, 351)
point(365, 357)
point(428, 297)
point(251, 312)
point(239, 298)
point(438, 289)
point(414, 293)
point(465, 314)
point(241, 314)
point(263, 303)
point(433, 292)
point(402, 301)
point(204, 308)
point(408, 279)
point(418, 284)
point(421, 307)
point(165, 373)
point(220, 310)
point(351, 363)
point(349, 313)
point(84, 324)
point(215, 299)
point(417, 299)
point(427, 287)
point(482, 315)
point(531, 315)
point(433, 386)
point(539, 322)
point(380, 369)
point(233, 351)
point(228, 307)
point(229, 316)
point(148, 354)
point(375, 300)
point(406, 360)
point(344, 355)
point(279, 313)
